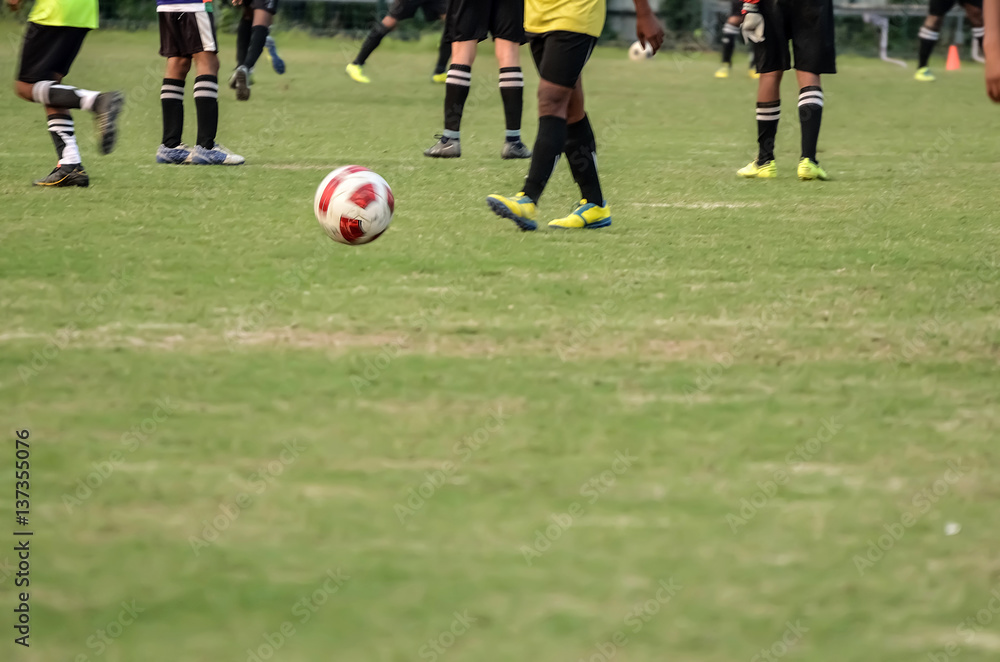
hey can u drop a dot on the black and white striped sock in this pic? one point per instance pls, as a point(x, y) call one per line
point(730, 33)
point(64, 138)
point(172, 104)
point(206, 105)
point(768, 114)
point(512, 95)
point(456, 91)
point(978, 34)
point(928, 40)
point(54, 95)
point(810, 118)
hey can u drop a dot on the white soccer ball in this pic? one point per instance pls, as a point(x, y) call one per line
point(354, 205)
point(638, 52)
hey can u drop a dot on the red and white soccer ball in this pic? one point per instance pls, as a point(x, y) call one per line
point(354, 205)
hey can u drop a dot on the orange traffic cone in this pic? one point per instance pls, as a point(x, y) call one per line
point(954, 62)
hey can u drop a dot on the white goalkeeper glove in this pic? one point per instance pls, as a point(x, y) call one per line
point(753, 23)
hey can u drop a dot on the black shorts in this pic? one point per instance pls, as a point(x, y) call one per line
point(48, 52)
point(184, 33)
point(404, 9)
point(736, 8)
point(474, 20)
point(560, 56)
point(267, 5)
point(942, 7)
point(808, 24)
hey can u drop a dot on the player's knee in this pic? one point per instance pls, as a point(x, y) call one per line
point(388, 24)
point(23, 90)
point(975, 15)
point(553, 99)
point(933, 23)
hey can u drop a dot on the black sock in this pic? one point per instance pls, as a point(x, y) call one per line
point(371, 42)
point(61, 130)
point(928, 40)
point(456, 91)
point(206, 105)
point(444, 54)
point(549, 145)
point(258, 35)
point(512, 95)
point(730, 33)
point(581, 154)
point(54, 95)
point(810, 118)
point(243, 38)
point(172, 103)
point(768, 114)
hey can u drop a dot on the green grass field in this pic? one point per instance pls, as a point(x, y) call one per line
point(739, 420)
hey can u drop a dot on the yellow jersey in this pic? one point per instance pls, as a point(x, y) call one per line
point(583, 16)
point(65, 13)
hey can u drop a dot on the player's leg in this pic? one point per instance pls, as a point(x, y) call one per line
point(263, 14)
point(506, 22)
point(730, 35)
point(974, 12)
point(511, 84)
point(581, 155)
point(197, 42)
point(560, 57)
point(773, 59)
point(813, 42)
point(243, 30)
point(929, 34)
point(171, 149)
point(271, 48)
point(399, 10)
point(456, 92)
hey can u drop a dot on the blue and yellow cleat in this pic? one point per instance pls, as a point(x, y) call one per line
point(439, 77)
point(586, 216)
point(521, 209)
point(723, 71)
point(924, 75)
point(752, 73)
point(272, 54)
point(768, 170)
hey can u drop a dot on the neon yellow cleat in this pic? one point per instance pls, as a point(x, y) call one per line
point(356, 73)
point(752, 73)
point(809, 170)
point(521, 209)
point(587, 216)
point(723, 71)
point(440, 78)
point(753, 171)
point(924, 75)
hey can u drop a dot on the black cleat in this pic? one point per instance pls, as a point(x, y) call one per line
point(65, 175)
point(241, 82)
point(107, 107)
